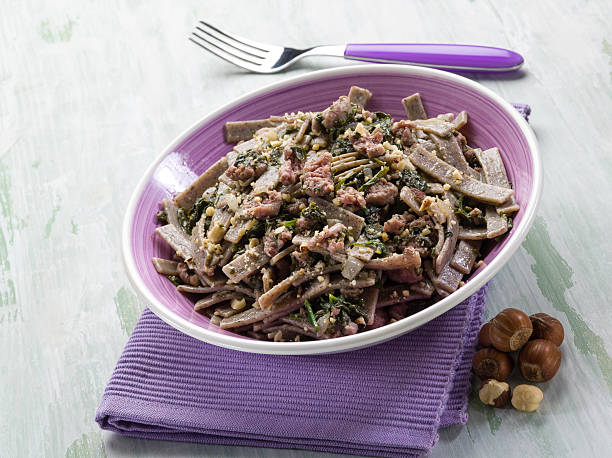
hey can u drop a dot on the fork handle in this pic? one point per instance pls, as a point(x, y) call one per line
point(459, 58)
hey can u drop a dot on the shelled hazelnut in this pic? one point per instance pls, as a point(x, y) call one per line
point(527, 398)
point(494, 393)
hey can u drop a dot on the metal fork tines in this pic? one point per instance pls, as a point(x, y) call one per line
point(232, 48)
point(254, 56)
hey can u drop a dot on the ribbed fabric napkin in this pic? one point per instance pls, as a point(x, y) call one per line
point(387, 400)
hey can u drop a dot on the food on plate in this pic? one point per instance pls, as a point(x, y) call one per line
point(326, 224)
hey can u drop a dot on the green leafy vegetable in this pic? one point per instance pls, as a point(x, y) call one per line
point(290, 130)
point(314, 212)
point(371, 214)
point(299, 152)
point(464, 212)
point(199, 206)
point(256, 232)
point(474, 162)
point(188, 219)
point(509, 220)
point(291, 223)
point(274, 156)
point(349, 310)
point(176, 281)
point(413, 179)
point(311, 316)
point(372, 231)
point(162, 217)
point(183, 219)
point(247, 157)
point(375, 179)
point(417, 235)
point(378, 245)
point(341, 146)
point(384, 123)
point(340, 126)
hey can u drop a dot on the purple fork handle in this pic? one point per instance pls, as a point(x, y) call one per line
point(461, 58)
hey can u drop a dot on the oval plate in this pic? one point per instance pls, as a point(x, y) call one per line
point(492, 122)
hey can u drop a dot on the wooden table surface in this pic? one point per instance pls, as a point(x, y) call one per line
point(91, 92)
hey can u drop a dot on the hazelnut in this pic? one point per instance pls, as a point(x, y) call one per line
point(539, 360)
point(547, 327)
point(527, 398)
point(510, 330)
point(483, 336)
point(494, 393)
point(490, 363)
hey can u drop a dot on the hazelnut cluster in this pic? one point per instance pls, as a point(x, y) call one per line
point(538, 338)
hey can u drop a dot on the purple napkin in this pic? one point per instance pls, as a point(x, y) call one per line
point(387, 400)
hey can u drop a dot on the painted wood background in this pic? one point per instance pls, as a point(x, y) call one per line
point(90, 92)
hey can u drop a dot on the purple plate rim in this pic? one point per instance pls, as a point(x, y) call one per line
point(374, 336)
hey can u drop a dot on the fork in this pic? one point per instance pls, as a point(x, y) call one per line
point(265, 58)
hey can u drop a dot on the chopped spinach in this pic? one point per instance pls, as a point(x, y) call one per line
point(256, 232)
point(340, 126)
point(271, 223)
point(379, 246)
point(348, 309)
point(463, 211)
point(375, 179)
point(176, 281)
point(188, 219)
point(356, 181)
point(253, 157)
point(311, 316)
point(413, 179)
point(299, 152)
point(314, 212)
point(372, 231)
point(371, 214)
point(183, 219)
point(509, 220)
point(274, 156)
point(291, 223)
point(341, 146)
point(416, 235)
point(290, 130)
point(384, 123)
point(248, 157)
point(197, 210)
point(162, 217)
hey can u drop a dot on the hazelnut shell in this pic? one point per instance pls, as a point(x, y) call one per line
point(490, 363)
point(539, 360)
point(547, 327)
point(483, 336)
point(510, 330)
